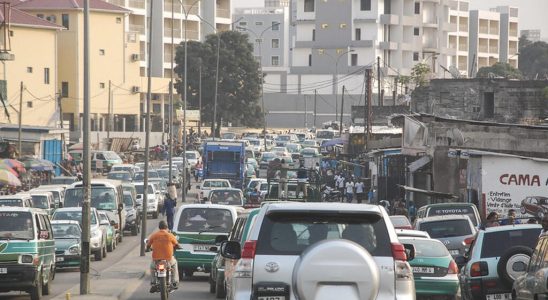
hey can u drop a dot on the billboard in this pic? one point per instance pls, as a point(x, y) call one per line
point(514, 183)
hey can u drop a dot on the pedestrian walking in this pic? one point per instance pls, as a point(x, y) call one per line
point(349, 186)
point(283, 179)
point(340, 186)
point(302, 181)
point(360, 189)
point(169, 208)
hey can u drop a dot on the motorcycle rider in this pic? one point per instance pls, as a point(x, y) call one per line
point(162, 242)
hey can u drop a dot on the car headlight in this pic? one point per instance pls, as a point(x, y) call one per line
point(28, 259)
point(74, 249)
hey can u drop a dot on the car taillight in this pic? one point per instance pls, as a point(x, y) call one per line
point(452, 269)
point(479, 268)
point(468, 241)
point(248, 250)
point(398, 252)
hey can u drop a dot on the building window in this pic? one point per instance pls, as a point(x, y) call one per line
point(41, 16)
point(64, 89)
point(365, 4)
point(313, 34)
point(275, 26)
point(11, 32)
point(243, 24)
point(29, 69)
point(415, 56)
point(308, 5)
point(354, 59)
point(417, 8)
point(416, 31)
point(342, 25)
point(101, 51)
point(275, 43)
point(259, 23)
point(156, 108)
point(310, 60)
point(118, 20)
point(29, 104)
point(101, 85)
point(325, 26)
point(358, 34)
point(275, 60)
point(52, 18)
point(65, 20)
point(46, 75)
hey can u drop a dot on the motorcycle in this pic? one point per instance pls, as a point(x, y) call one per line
point(162, 277)
point(329, 194)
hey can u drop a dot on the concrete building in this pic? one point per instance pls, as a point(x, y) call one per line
point(36, 73)
point(276, 3)
point(459, 18)
point(493, 38)
point(531, 34)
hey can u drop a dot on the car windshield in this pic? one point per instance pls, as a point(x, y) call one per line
point(454, 210)
point(226, 197)
point(285, 233)
point(73, 215)
point(427, 248)
point(205, 220)
point(40, 201)
point(190, 155)
point(495, 244)
point(63, 180)
point(66, 231)
point(216, 184)
point(446, 228)
point(11, 202)
point(102, 198)
point(292, 147)
point(16, 225)
point(255, 142)
point(128, 200)
point(164, 173)
point(119, 176)
point(141, 189)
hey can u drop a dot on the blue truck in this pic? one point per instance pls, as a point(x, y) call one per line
point(225, 160)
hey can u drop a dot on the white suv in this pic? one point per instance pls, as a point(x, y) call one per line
point(319, 251)
point(210, 184)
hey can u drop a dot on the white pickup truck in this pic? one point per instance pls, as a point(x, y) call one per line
point(210, 184)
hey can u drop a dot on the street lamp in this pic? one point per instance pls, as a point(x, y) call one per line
point(335, 75)
point(259, 39)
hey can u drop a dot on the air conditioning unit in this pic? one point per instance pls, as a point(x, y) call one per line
point(135, 57)
point(134, 89)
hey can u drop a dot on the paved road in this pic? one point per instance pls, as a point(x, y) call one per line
point(195, 288)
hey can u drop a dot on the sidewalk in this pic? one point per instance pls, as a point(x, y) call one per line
point(118, 281)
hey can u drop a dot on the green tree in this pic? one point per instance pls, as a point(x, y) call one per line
point(533, 60)
point(419, 74)
point(500, 69)
point(239, 79)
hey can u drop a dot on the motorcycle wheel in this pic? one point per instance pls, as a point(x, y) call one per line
point(164, 293)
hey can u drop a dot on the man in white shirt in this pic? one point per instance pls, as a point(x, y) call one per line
point(349, 191)
point(360, 187)
point(340, 186)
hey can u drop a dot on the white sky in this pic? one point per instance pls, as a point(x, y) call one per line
point(530, 11)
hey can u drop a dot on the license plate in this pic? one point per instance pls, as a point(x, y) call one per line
point(58, 259)
point(3, 270)
point(506, 296)
point(202, 248)
point(427, 270)
point(454, 252)
point(271, 298)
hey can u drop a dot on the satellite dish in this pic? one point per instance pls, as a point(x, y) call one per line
point(454, 72)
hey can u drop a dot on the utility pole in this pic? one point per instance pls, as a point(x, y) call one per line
point(60, 107)
point(200, 97)
point(342, 111)
point(147, 136)
point(379, 81)
point(86, 184)
point(170, 117)
point(305, 114)
point(369, 97)
point(20, 113)
point(395, 91)
point(109, 109)
point(315, 94)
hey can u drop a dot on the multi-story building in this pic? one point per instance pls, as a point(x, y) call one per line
point(114, 73)
point(459, 18)
point(493, 38)
point(29, 81)
point(532, 35)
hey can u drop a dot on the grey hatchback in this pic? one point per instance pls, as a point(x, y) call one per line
point(454, 231)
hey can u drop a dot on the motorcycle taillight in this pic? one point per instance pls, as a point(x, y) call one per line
point(161, 267)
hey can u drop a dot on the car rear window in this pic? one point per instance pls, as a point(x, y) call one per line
point(446, 228)
point(454, 210)
point(496, 243)
point(205, 220)
point(399, 221)
point(290, 233)
point(427, 248)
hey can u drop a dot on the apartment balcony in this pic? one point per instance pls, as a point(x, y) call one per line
point(137, 4)
point(483, 49)
point(388, 45)
point(223, 13)
point(361, 44)
point(192, 10)
point(494, 50)
point(191, 34)
point(177, 33)
point(387, 19)
point(411, 20)
point(137, 28)
point(463, 27)
point(462, 47)
point(430, 24)
point(448, 27)
point(484, 29)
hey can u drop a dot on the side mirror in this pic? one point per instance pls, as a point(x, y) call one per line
point(220, 238)
point(231, 249)
point(409, 251)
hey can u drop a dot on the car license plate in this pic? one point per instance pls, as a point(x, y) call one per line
point(59, 259)
point(454, 252)
point(202, 248)
point(3, 270)
point(427, 270)
point(271, 298)
point(506, 296)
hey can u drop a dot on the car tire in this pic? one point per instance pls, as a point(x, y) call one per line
point(36, 291)
point(110, 247)
point(135, 230)
point(104, 250)
point(155, 215)
point(120, 236)
point(220, 291)
point(355, 263)
point(211, 285)
point(98, 255)
point(516, 254)
point(46, 287)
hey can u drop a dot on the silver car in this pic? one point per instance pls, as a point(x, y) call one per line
point(454, 231)
point(319, 251)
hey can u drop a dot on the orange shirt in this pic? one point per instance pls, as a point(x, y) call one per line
point(162, 243)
